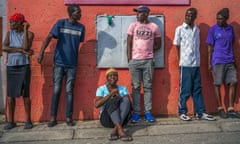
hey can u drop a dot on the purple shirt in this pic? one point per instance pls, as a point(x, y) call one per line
point(222, 40)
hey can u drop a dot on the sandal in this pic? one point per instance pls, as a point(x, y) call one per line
point(125, 138)
point(113, 136)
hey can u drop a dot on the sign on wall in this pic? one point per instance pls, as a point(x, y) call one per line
point(112, 40)
point(129, 2)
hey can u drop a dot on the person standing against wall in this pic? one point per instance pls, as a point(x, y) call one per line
point(143, 40)
point(69, 34)
point(17, 44)
point(187, 41)
point(221, 61)
point(115, 106)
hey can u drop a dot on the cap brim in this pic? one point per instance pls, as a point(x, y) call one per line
point(135, 10)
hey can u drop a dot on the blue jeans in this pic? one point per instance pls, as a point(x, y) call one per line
point(142, 71)
point(58, 74)
point(190, 84)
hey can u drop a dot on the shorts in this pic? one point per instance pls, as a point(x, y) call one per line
point(18, 81)
point(224, 72)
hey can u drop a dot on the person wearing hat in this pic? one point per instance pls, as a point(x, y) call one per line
point(221, 61)
point(143, 40)
point(17, 44)
point(69, 34)
point(187, 42)
point(115, 106)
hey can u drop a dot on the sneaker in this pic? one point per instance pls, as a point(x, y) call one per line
point(222, 114)
point(149, 117)
point(70, 122)
point(185, 117)
point(28, 125)
point(205, 116)
point(233, 114)
point(135, 118)
point(9, 125)
point(52, 123)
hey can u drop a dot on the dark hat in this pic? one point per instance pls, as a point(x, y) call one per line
point(224, 12)
point(142, 9)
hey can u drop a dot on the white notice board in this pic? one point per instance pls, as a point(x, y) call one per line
point(112, 40)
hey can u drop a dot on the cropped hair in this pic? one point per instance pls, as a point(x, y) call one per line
point(194, 10)
point(71, 7)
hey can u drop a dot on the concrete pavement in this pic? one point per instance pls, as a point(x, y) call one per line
point(163, 131)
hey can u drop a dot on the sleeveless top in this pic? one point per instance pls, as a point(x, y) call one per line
point(16, 41)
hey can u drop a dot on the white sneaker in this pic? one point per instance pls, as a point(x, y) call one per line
point(205, 116)
point(185, 117)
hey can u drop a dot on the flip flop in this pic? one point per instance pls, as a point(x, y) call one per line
point(125, 138)
point(113, 137)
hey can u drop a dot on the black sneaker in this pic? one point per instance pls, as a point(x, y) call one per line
point(70, 122)
point(28, 125)
point(9, 125)
point(52, 123)
point(233, 114)
point(222, 114)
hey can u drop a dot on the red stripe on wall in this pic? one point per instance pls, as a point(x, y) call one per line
point(129, 2)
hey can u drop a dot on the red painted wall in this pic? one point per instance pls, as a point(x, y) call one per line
point(42, 14)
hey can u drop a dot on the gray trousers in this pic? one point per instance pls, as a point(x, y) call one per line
point(142, 72)
point(120, 114)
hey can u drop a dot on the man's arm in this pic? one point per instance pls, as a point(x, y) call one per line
point(101, 100)
point(157, 43)
point(129, 47)
point(44, 46)
point(210, 49)
point(178, 52)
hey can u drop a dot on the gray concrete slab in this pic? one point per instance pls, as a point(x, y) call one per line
point(37, 135)
point(182, 129)
point(231, 126)
point(203, 138)
point(163, 131)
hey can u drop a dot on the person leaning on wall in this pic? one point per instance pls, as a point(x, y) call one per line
point(17, 44)
point(69, 34)
point(221, 61)
point(143, 39)
point(115, 106)
point(187, 42)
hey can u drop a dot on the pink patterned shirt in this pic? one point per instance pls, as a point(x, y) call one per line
point(143, 39)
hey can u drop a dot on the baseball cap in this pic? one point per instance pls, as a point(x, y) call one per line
point(18, 17)
point(142, 8)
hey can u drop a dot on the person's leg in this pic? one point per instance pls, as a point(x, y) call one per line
point(118, 129)
point(232, 92)
point(124, 108)
point(58, 74)
point(11, 109)
point(136, 78)
point(26, 97)
point(231, 80)
point(199, 105)
point(27, 106)
point(148, 70)
point(185, 91)
point(218, 96)
point(70, 80)
point(218, 75)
